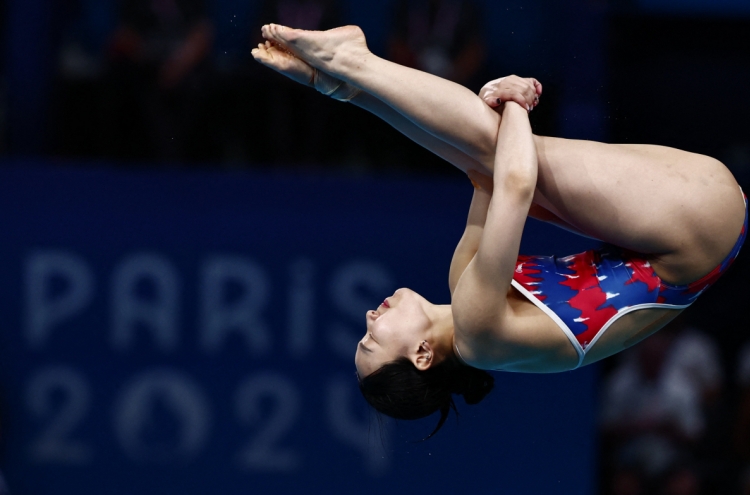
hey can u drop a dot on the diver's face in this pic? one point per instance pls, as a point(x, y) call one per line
point(395, 329)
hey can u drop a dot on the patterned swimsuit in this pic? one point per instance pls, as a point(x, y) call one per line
point(586, 293)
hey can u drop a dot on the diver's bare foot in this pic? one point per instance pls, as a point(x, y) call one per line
point(283, 62)
point(335, 51)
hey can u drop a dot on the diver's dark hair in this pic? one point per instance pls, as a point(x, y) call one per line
point(398, 389)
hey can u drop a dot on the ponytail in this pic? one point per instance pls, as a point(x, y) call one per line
point(399, 390)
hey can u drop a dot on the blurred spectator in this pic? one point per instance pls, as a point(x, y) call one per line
point(158, 72)
point(86, 26)
point(654, 411)
point(442, 37)
point(682, 480)
point(742, 429)
point(694, 355)
point(82, 29)
point(743, 369)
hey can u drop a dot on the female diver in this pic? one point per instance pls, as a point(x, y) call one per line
point(671, 221)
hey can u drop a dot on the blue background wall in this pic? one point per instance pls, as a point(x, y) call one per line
point(194, 333)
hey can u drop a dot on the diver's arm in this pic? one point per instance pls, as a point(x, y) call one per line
point(469, 244)
point(480, 298)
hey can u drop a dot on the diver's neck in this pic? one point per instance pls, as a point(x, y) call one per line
point(442, 329)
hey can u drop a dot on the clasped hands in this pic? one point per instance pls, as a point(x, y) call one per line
point(523, 90)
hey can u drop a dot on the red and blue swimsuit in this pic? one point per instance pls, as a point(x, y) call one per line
point(586, 293)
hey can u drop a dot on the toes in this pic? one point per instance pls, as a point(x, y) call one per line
point(270, 33)
point(257, 54)
point(283, 34)
point(261, 53)
point(273, 34)
point(273, 31)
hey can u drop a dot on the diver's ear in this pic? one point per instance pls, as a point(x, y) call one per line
point(423, 356)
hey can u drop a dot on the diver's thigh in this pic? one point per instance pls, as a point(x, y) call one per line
point(650, 199)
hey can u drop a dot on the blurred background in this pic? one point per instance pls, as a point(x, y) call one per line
point(189, 242)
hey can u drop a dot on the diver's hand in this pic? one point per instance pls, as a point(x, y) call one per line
point(524, 91)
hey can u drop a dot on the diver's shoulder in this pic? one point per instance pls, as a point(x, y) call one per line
point(523, 338)
point(486, 343)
